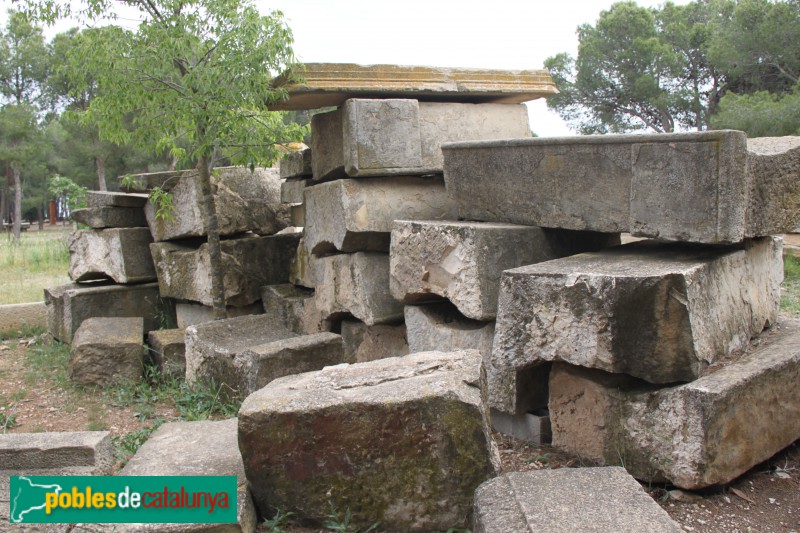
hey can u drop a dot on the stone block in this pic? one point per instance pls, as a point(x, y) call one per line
point(366, 343)
point(331, 84)
point(16, 316)
point(302, 269)
point(296, 308)
point(111, 217)
point(145, 182)
point(89, 452)
point(168, 351)
point(439, 326)
point(244, 201)
point(532, 427)
point(402, 137)
point(710, 187)
point(357, 215)
point(202, 448)
point(188, 314)
point(100, 199)
point(462, 261)
point(69, 305)
point(662, 312)
point(246, 353)
point(297, 215)
point(568, 499)
point(703, 433)
point(121, 254)
point(296, 165)
point(248, 263)
point(358, 285)
point(292, 190)
point(107, 351)
point(411, 459)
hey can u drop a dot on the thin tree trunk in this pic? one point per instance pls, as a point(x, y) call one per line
point(4, 197)
point(17, 200)
point(101, 172)
point(212, 230)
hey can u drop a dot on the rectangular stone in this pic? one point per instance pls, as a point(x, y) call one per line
point(248, 263)
point(25, 453)
point(367, 343)
point(402, 137)
point(703, 433)
point(189, 314)
point(143, 183)
point(292, 190)
point(439, 326)
point(357, 215)
point(107, 351)
point(297, 215)
point(661, 312)
point(296, 164)
point(296, 308)
point(111, 217)
point(463, 261)
point(28, 315)
point(331, 84)
point(100, 199)
point(168, 351)
point(531, 427)
point(121, 254)
point(710, 187)
point(358, 285)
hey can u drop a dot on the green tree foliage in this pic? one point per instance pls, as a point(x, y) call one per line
point(24, 61)
point(19, 140)
point(761, 114)
point(68, 194)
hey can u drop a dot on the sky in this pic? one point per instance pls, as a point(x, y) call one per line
point(507, 34)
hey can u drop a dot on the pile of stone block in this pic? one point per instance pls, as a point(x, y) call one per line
point(641, 352)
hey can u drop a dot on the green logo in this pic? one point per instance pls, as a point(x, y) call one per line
point(123, 499)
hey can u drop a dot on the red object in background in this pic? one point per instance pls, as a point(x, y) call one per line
point(52, 212)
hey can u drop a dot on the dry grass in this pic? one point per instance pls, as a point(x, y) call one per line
point(40, 260)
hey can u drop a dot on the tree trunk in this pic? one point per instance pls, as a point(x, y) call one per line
point(101, 172)
point(4, 196)
point(17, 200)
point(212, 230)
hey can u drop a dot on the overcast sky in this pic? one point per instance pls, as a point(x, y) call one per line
point(508, 34)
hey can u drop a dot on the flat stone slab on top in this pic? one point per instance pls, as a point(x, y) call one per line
point(330, 84)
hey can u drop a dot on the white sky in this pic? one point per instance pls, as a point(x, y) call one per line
point(509, 34)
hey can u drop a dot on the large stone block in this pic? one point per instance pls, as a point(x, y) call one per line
point(662, 312)
point(142, 184)
point(707, 432)
point(121, 254)
point(168, 351)
point(107, 351)
point(202, 448)
point(440, 326)
point(69, 305)
point(356, 284)
point(296, 164)
point(189, 314)
point(292, 190)
point(411, 458)
point(568, 499)
point(111, 217)
point(295, 306)
point(462, 261)
point(402, 137)
point(15, 316)
point(248, 263)
point(246, 353)
point(101, 199)
point(244, 201)
point(24, 453)
point(711, 187)
point(357, 215)
point(366, 343)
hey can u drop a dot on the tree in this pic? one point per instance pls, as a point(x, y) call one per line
point(761, 114)
point(194, 73)
point(24, 61)
point(18, 137)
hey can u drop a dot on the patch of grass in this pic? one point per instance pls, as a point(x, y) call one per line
point(127, 445)
point(95, 419)
point(278, 522)
point(47, 359)
point(341, 522)
point(7, 419)
point(23, 332)
point(790, 294)
point(39, 260)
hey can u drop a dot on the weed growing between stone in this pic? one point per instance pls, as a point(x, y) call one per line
point(279, 522)
point(790, 293)
point(7, 419)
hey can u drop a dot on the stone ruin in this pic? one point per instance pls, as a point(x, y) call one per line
point(426, 270)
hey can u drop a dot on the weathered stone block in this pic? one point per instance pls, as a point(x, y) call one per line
point(402, 137)
point(662, 312)
point(296, 308)
point(703, 433)
point(190, 314)
point(111, 217)
point(568, 499)
point(25, 453)
point(146, 182)
point(69, 305)
point(247, 353)
point(100, 199)
point(121, 254)
point(366, 343)
point(201, 448)
point(462, 261)
point(292, 190)
point(107, 351)
point(244, 201)
point(532, 427)
point(296, 165)
point(411, 459)
point(168, 350)
point(248, 263)
point(711, 187)
point(356, 284)
point(14, 316)
point(297, 215)
point(440, 326)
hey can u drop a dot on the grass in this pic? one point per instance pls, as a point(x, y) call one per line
point(790, 296)
point(41, 259)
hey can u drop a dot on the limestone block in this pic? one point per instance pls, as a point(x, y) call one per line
point(703, 433)
point(202, 448)
point(356, 284)
point(568, 499)
point(100, 199)
point(297, 215)
point(440, 326)
point(168, 350)
point(366, 343)
point(107, 351)
point(357, 215)
point(662, 312)
point(25, 453)
point(402, 137)
point(111, 217)
point(121, 254)
point(296, 165)
point(292, 190)
point(244, 201)
point(15, 316)
point(532, 427)
point(411, 459)
point(462, 261)
point(248, 263)
point(710, 187)
point(69, 305)
point(246, 353)
point(189, 314)
point(296, 308)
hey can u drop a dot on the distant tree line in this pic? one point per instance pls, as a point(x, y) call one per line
point(708, 64)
